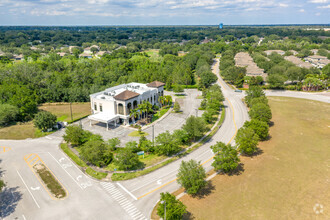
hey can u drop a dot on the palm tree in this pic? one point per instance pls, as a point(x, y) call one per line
point(161, 100)
point(148, 108)
point(134, 113)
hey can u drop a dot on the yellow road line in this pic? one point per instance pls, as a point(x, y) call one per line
point(231, 106)
point(5, 149)
point(26, 157)
point(157, 188)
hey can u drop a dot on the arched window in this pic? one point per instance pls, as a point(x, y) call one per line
point(120, 109)
point(129, 107)
point(135, 104)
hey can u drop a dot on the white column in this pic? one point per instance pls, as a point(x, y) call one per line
point(107, 126)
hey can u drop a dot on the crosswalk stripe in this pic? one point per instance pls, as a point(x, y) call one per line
point(126, 204)
point(139, 216)
point(130, 208)
point(135, 214)
point(118, 197)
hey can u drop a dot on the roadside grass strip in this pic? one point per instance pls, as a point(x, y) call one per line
point(82, 164)
point(46, 177)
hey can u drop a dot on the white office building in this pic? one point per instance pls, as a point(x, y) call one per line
point(114, 104)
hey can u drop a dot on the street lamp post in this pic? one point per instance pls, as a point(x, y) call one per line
point(153, 135)
point(164, 202)
point(196, 112)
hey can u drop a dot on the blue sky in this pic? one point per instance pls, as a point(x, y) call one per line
point(163, 12)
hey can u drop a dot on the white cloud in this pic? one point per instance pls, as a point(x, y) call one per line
point(319, 1)
point(283, 5)
point(323, 7)
point(302, 10)
point(318, 14)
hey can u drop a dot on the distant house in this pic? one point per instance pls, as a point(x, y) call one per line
point(85, 55)
point(33, 48)
point(243, 59)
point(314, 51)
point(298, 62)
point(101, 53)
point(89, 49)
point(280, 52)
point(18, 57)
point(293, 52)
point(318, 61)
point(206, 40)
point(62, 54)
point(71, 48)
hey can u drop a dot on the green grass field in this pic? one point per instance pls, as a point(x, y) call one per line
point(63, 112)
point(154, 54)
point(287, 180)
point(22, 131)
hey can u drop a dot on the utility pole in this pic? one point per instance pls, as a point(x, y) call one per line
point(153, 135)
point(196, 112)
point(71, 111)
point(164, 202)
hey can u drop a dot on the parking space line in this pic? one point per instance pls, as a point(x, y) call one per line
point(66, 171)
point(28, 189)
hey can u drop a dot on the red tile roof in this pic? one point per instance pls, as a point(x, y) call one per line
point(126, 95)
point(156, 84)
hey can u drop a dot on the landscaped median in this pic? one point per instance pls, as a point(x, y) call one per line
point(81, 163)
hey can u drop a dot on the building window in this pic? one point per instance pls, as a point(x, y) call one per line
point(101, 109)
point(95, 106)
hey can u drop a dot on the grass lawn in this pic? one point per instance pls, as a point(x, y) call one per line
point(21, 132)
point(287, 179)
point(62, 110)
point(160, 113)
point(137, 134)
point(154, 54)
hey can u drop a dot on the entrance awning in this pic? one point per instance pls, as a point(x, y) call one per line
point(104, 117)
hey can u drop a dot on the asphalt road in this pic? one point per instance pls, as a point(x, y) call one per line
point(26, 198)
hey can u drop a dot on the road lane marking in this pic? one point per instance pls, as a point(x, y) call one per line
point(129, 193)
point(26, 157)
point(66, 171)
point(23, 217)
point(35, 188)
point(5, 149)
point(28, 189)
point(167, 174)
point(157, 188)
point(159, 182)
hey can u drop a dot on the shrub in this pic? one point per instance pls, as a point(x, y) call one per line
point(261, 112)
point(97, 153)
point(191, 176)
point(176, 107)
point(261, 128)
point(246, 141)
point(226, 159)
point(8, 114)
point(195, 127)
point(175, 209)
point(126, 159)
point(44, 120)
